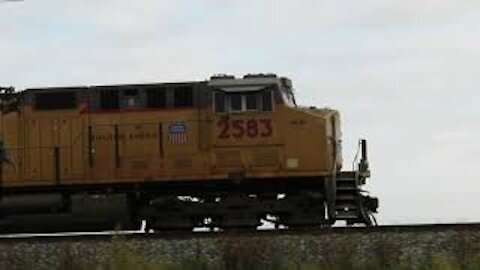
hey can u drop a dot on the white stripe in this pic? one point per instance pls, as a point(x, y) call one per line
point(177, 138)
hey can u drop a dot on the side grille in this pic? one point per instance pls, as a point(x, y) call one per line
point(265, 157)
point(228, 158)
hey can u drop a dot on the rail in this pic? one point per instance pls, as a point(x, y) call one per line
point(105, 236)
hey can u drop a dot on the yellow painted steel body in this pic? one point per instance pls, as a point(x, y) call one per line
point(69, 147)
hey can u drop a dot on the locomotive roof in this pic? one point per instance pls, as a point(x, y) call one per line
point(250, 82)
point(246, 84)
point(119, 86)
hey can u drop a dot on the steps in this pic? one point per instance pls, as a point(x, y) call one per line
point(347, 205)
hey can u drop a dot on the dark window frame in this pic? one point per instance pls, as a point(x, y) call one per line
point(183, 97)
point(109, 99)
point(59, 100)
point(267, 98)
point(156, 97)
point(238, 101)
point(263, 101)
point(220, 99)
point(249, 97)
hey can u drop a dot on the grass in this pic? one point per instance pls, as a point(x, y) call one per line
point(245, 254)
point(127, 262)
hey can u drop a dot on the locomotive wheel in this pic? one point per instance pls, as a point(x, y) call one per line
point(304, 210)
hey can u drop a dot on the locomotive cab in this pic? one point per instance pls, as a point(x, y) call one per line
point(261, 135)
point(260, 128)
point(245, 140)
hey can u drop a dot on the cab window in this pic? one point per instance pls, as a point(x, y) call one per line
point(236, 102)
point(219, 102)
point(242, 102)
point(288, 98)
point(267, 101)
point(251, 101)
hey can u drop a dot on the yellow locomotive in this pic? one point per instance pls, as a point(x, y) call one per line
point(223, 153)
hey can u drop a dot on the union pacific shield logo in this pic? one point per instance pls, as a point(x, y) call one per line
point(177, 133)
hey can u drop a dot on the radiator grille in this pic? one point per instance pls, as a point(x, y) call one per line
point(267, 157)
point(228, 158)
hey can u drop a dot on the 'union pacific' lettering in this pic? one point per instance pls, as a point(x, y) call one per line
point(123, 136)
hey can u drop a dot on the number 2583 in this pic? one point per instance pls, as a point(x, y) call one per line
point(251, 128)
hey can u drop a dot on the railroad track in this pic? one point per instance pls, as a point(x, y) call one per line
point(105, 236)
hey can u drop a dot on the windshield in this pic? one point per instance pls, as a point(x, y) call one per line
point(288, 98)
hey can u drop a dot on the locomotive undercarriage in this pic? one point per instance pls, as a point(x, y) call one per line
point(215, 205)
point(238, 211)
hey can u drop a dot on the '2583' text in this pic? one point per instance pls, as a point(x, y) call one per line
point(238, 128)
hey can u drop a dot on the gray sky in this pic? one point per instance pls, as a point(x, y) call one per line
point(404, 74)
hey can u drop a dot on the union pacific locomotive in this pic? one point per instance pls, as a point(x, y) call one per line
point(223, 153)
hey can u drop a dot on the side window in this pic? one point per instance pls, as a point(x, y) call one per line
point(219, 102)
point(241, 102)
point(157, 97)
point(109, 100)
point(55, 101)
point(183, 96)
point(235, 102)
point(267, 101)
point(251, 101)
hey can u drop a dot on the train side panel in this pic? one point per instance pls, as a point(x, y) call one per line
point(71, 147)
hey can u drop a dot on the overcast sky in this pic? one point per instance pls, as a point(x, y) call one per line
point(404, 74)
